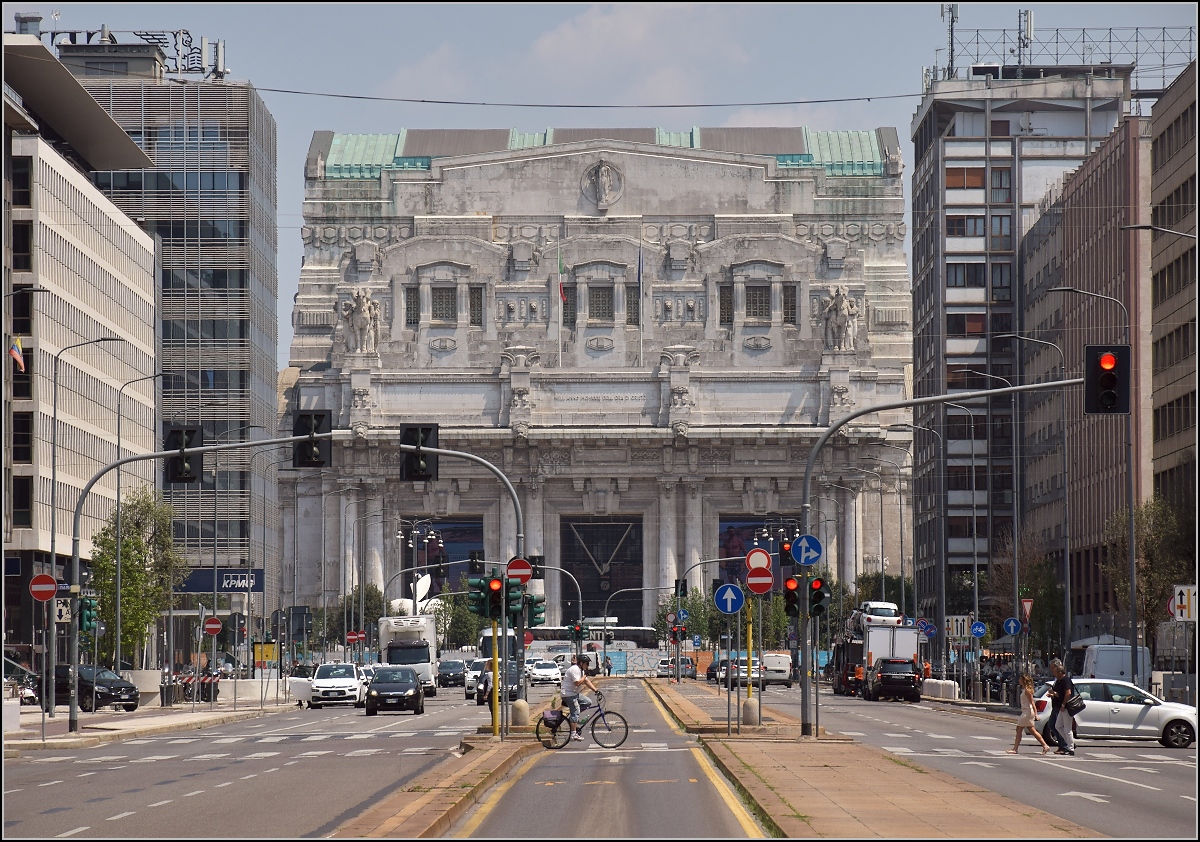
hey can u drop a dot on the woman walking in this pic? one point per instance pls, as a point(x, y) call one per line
point(1028, 716)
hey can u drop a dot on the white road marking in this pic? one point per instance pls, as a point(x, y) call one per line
point(360, 736)
point(261, 755)
point(155, 757)
point(84, 774)
point(313, 753)
point(1096, 754)
point(898, 749)
point(1188, 797)
point(1090, 796)
point(982, 737)
point(415, 749)
point(52, 759)
point(272, 739)
point(273, 769)
point(50, 783)
point(654, 745)
point(642, 731)
point(314, 738)
point(160, 803)
point(362, 752)
point(11, 791)
point(901, 736)
point(207, 757)
point(1141, 769)
point(291, 763)
point(852, 733)
point(227, 783)
point(939, 736)
point(248, 777)
point(137, 743)
point(193, 792)
point(120, 816)
point(978, 763)
point(1075, 768)
point(73, 832)
point(229, 740)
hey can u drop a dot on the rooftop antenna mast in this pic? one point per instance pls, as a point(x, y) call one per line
point(1024, 39)
point(950, 10)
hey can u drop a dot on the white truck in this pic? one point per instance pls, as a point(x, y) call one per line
point(411, 642)
point(891, 642)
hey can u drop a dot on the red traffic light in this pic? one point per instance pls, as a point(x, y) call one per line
point(1108, 361)
point(495, 584)
point(791, 584)
point(787, 546)
point(817, 584)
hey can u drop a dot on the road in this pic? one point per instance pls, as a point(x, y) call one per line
point(657, 785)
point(289, 775)
point(1123, 788)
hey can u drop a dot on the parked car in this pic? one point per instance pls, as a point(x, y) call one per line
point(337, 684)
point(395, 688)
point(665, 668)
point(1119, 710)
point(894, 678)
point(452, 674)
point(483, 689)
point(109, 688)
point(687, 667)
point(471, 676)
point(545, 672)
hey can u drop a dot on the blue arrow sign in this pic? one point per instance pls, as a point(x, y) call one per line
point(682, 614)
point(978, 629)
point(1012, 625)
point(729, 599)
point(806, 549)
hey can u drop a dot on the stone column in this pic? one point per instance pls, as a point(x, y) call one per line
point(347, 578)
point(848, 550)
point(668, 563)
point(374, 534)
point(693, 535)
point(508, 527)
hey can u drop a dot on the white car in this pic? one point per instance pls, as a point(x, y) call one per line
point(545, 672)
point(1118, 710)
point(338, 684)
point(472, 677)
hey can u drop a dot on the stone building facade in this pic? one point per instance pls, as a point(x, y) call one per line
point(646, 331)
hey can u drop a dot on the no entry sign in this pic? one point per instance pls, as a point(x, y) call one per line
point(352, 637)
point(759, 580)
point(43, 587)
point(520, 569)
point(213, 626)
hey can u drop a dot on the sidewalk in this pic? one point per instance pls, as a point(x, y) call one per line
point(832, 786)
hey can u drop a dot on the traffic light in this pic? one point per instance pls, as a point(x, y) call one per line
point(495, 598)
point(88, 615)
point(1107, 377)
point(313, 453)
point(514, 597)
point(716, 585)
point(818, 596)
point(419, 465)
point(608, 637)
point(537, 610)
point(184, 467)
point(477, 594)
point(475, 563)
point(443, 568)
point(785, 553)
point(683, 632)
point(681, 587)
point(674, 634)
point(576, 632)
point(791, 596)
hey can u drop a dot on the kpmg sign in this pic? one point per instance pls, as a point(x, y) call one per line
point(229, 580)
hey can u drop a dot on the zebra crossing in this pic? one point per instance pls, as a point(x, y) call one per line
point(307, 737)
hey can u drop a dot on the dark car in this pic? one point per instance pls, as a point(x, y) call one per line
point(102, 685)
point(715, 667)
point(452, 674)
point(483, 690)
point(395, 688)
point(892, 678)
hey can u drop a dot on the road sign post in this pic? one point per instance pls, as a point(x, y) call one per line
point(807, 550)
point(759, 580)
point(520, 569)
point(728, 599)
point(1183, 602)
point(213, 626)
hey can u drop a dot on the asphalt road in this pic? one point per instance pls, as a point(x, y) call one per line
point(1123, 788)
point(294, 774)
point(657, 785)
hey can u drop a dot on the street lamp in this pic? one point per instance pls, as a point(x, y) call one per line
point(882, 564)
point(414, 529)
point(1062, 399)
point(250, 561)
point(356, 551)
point(1133, 630)
point(900, 508)
point(72, 628)
point(117, 643)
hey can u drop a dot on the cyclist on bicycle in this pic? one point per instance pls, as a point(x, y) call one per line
point(575, 676)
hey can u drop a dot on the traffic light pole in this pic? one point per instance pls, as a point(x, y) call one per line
point(806, 724)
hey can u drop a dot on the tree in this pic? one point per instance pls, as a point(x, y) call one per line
point(462, 627)
point(1038, 578)
point(1164, 558)
point(151, 568)
point(348, 608)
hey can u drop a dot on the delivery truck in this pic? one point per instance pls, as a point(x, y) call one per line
point(411, 642)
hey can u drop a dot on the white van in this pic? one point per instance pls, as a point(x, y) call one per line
point(1112, 661)
point(777, 669)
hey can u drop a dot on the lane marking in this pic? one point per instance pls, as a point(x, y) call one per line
point(195, 792)
point(274, 769)
point(854, 733)
point(227, 783)
point(313, 753)
point(187, 740)
point(11, 791)
point(732, 802)
point(272, 739)
point(261, 755)
point(900, 736)
point(50, 783)
point(363, 752)
point(1074, 768)
point(229, 740)
point(160, 803)
point(248, 777)
point(73, 832)
point(120, 816)
point(84, 774)
point(468, 830)
point(1188, 797)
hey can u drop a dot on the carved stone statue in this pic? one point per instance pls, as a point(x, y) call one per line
point(840, 312)
point(360, 319)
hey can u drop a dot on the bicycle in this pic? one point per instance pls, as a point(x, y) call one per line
point(609, 729)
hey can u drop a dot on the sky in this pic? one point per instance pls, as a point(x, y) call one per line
point(576, 54)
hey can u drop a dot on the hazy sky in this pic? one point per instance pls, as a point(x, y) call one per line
point(576, 54)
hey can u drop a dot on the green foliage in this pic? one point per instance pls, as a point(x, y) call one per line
point(348, 608)
point(1038, 579)
point(462, 627)
point(151, 568)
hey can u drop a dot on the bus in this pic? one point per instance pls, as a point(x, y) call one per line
point(624, 637)
point(485, 644)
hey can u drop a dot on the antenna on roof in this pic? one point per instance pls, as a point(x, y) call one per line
point(950, 10)
point(1024, 39)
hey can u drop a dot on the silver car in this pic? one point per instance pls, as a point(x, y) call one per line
point(1118, 710)
point(472, 676)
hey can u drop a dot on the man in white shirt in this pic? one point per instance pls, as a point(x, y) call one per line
point(572, 679)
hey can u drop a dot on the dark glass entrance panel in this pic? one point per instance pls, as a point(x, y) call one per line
point(605, 555)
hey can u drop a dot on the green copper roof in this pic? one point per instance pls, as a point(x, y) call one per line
point(367, 156)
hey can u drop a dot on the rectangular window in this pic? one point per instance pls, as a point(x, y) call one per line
point(445, 304)
point(633, 305)
point(789, 304)
point(476, 306)
point(965, 275)
point(22, 502)
point(965, 324)
point(1002, 185)
point(22, 181)
point(412, 306)
point(22, 246)
point(1002, 281)
point(600, 304)
point(999, 128)
point(758, 302)
point(964, 178)
point(570, 303)
point(106, 68)
point(22, 310)
point(961, 427)
point(725, 294)
point(1001, 231)
point(22, 381)
point(965, 226)
point(22, 437)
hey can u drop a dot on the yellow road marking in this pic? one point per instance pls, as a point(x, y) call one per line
point(666, 716)
point(749, 826)
point(592, 783)
point(672, 781)
point(486, 808)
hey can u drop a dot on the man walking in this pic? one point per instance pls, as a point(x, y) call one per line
point(1061, 722)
